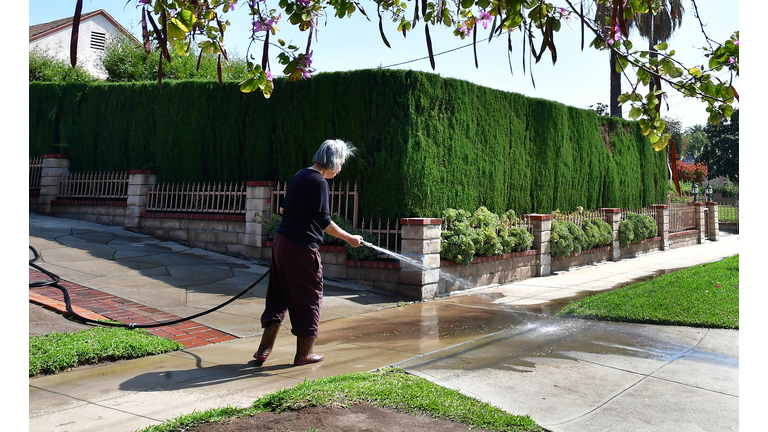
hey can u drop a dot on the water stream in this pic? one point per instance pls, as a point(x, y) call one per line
point(464, 284)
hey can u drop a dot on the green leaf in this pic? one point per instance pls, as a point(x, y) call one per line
point(645, 126)
point(176, 30)
point(662, 46)
point(662, 142)
point(635, 112)
point(623, 98)
point(695, 72)
point(249, 85)
point(466, 4)
point(186, 17)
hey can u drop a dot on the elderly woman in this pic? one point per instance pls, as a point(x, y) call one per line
point(296, 279)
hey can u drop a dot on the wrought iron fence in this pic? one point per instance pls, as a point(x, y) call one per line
point(580, 216)
point(387, 235)
point(681, 217)
point(228, 198)
point(339, 200)
point(113, 185)
point(35, 172)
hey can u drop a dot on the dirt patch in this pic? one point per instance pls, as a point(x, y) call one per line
point(43, 321)
point(353, 418)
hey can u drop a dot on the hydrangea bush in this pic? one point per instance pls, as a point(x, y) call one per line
point(482, 233)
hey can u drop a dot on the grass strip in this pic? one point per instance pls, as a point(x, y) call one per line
point(705, 295)
point(55, 352)
point(389, 387)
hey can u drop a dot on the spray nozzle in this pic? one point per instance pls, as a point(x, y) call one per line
point(365, 243)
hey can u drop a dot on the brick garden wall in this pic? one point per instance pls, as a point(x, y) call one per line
point(246, 236)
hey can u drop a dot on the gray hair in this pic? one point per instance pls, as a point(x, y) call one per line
point(333, 153)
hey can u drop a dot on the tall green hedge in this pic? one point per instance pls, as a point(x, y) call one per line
point(425, 143)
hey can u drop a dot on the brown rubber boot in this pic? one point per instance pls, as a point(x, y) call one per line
point(267, 342)
point(304, 353)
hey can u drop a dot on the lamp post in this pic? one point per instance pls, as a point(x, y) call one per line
point(695, 191)
point(708, 191)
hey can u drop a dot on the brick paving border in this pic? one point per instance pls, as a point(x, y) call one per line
point(95, 304)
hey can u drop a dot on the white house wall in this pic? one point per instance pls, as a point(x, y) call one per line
point(57, 44)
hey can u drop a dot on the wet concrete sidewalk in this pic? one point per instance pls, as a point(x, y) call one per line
point(491, 343)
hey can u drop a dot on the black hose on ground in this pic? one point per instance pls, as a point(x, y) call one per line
point(54, 282)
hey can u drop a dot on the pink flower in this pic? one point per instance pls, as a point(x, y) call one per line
point(269, 76)
point(463, 28)
point(485, 18)
point(261, 25)
point(736, 42)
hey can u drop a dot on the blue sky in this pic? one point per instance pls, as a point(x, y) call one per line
point(578, 78)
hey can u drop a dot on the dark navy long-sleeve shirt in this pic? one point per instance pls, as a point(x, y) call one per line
point(305, 208)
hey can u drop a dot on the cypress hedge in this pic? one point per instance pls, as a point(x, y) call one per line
point(425, 143)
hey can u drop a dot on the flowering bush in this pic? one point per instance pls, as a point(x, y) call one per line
point(695, 172)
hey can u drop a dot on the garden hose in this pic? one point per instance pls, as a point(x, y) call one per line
point(54, 282)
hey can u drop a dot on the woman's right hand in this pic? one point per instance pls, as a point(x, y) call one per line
point(355, 240)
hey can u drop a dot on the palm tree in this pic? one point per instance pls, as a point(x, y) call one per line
point(603, 16)
point(660, 27)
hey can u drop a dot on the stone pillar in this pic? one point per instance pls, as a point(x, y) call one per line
point(662, 224)
point(542, 230)
point(714, 228)
point(55, 168)
point(139, 183)
point(258, 208)
point(420, 243)
point(613, 217)
point(698, 217)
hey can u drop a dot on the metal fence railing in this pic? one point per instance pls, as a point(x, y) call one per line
point(343, 200)
point(682, 216)
point(579, 216)
point(198, 198)
point(35, 172)
point(387, 234)
point(113, 185)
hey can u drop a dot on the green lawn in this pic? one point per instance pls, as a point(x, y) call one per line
point(387, 387)
point(55, 352)
point(702, 296)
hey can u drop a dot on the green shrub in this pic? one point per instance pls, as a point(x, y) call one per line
point(561, 240)
point(456, 243)
point(44, 67)
point(605, 232)
point(626, 233)
point(515, 239)
point(126, 61)
point(579, 238)
point(482, 233)
point(591, 233)
point(643, 227)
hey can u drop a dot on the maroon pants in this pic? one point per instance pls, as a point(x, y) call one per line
point(295, 286)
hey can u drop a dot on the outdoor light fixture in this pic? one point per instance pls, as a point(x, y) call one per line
point(708, 191)
point(695, 191)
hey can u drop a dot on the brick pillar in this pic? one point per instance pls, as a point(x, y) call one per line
point(698, 217)
point(714, 228)
point(258, 205)
point(421, 243)
point(542, 230)
point(55, 168)
point(662, 224)
point(139, 183)
point(613, 217)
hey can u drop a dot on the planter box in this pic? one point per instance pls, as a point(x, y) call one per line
point(591, 256)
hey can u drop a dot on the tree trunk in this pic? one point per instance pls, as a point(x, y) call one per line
point(615, 87)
